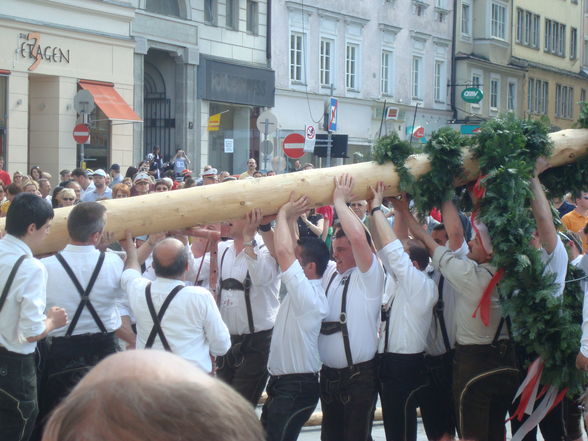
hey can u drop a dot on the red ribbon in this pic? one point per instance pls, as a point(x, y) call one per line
point(527, 393)
point(478, 190)
point(484, 305)
point(560, 396)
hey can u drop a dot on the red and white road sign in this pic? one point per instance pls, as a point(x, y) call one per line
point(294, 145)
point(418, 132)
point(81, 133)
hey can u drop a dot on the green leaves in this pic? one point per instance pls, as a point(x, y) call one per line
point(391, 148)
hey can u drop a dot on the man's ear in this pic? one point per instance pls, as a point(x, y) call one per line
point(31, 228)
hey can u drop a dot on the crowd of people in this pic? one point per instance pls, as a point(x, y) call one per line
point(344, 304)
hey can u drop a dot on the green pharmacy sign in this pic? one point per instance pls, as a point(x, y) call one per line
point(472, 95)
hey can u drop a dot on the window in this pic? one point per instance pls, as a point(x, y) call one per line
point(465, 19)
point(296, 56)
point(351, 56)
point(210, 11)
point(164, 8)
point(387, 87)
point(537, 96)
point(439, 91)
point(416, 78)
point(440, 4)
point(582, 99)
point(573, 43)
point(326, 62)
point(564, 99)
point(498, 21)
point(494, 93)
point(252, 17)
point(511, 98)
point(476, 80)
point(555, 38)
point(527, 32)
point(232, 14)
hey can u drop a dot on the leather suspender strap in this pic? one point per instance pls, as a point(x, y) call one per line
point(328, 328)
point(10, 279)
point(439, 307)
point(84, 294)
point(246, 292)
point(330, 281)
point(499, 329)
point(158, 317)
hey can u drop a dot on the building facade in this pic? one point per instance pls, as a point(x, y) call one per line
point(51, 51)
point(380, 59)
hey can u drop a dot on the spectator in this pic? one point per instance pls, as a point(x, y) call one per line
point(45, 188)
point(66, 197)
point(36, 173)
point(209, 176)
point(82, 177)
point(311, 224)
point(189, 183)
point(258, 174)
point(141, 184)
point(297, 165)
point(101, 190)
point(114, 172)
point(120, 191)
point(577, 219)
point(161, 186)
point(11, 191)
point(2, 193)
point(251, 167)
point(169, 182)
point(128, 182)
point(179, 162)
point(155, 162)
point(65, 175)
point(131, 172)
point(31, 186)
point(4, 176)
point(76, 188)
point(271, 173)
point(222, 175)
point(308, 166)
point(17, 177)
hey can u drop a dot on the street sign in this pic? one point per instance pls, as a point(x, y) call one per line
point(294, 145)
point(84, 102)
point(309, 139)
point(266, 122)
point(392, 112)
point(469, 129)
point(266, 147)
point(81, 133)
point(472, 95)
point(418, 132)
point(333, 105)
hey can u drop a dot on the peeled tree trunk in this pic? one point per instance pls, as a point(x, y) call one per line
point(208, 204)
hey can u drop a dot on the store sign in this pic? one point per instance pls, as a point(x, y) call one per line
point(33, 49)
point(472, 95)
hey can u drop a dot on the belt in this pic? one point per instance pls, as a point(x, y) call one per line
point(350, 370)
point(310, 375)
point(4, 351)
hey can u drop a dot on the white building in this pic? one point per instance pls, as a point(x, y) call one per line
point(371, 52)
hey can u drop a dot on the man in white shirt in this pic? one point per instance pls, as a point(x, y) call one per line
point(100, 191)
point(248, 292)
point(86, 282)
point(294, 362)
point(349, 339)
point(22, 318)
point(409, 310)
point(170, 315)
point(80, 175)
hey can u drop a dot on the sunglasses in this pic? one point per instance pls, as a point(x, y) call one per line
point(68, 199)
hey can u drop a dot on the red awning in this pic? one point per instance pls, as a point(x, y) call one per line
point(110, 102)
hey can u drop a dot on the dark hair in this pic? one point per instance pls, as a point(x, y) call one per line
point(131, 172)
point(13, 189)
point(585, 229)
point(439, 227)
point(54, 201)
point(340, 233)
point(314, 250)
point(64, 172)
point(79, 172)
point(27, 209)
point(84, 220)
point(175, 269)
point(417, 251)
point(36, 167)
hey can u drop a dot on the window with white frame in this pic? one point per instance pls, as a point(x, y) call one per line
point(440, 4)
point(351, 60)
point(511, 96)
point(573, 43)
point(494, 93)
point(555, 38)
point(210, 7)
point(417, 72)
point(297, 57)
point(476, 80)
point(439, 87)
point(585, 61)
point(582, 99)
point(326, 62)
point(528, 28)
point(387, 74)
point(232, 14)
point(564, 101)
point(498, 21)
point(537, 96)
point(466, 10)
point(252, 17)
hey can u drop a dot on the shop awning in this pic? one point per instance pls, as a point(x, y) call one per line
point(109, 101)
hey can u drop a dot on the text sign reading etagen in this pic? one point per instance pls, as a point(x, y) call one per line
point(32, 48)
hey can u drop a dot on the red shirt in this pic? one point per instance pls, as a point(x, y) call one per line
point(327, 212)
point(5, 177)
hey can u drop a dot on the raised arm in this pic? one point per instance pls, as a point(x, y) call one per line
point(401, 208)
point(352, 226)
point(132, 261)
point(285, 243)
point(453, 225)
point(542, 210)
point(379, 224)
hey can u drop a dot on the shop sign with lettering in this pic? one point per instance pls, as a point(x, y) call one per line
point(32, 48)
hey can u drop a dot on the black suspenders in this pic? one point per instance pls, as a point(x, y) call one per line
point(438, 310)
point(157, 317)
point(10, 279)
point(235, 284)
point(84, 294)
point(328, 328)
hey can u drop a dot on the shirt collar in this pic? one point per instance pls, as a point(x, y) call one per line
point(169, 282)
point(79, 248)
point(18, 243)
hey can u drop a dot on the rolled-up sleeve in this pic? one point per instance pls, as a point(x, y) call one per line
point(264, 269)
point(217, 333)
point(31, 282)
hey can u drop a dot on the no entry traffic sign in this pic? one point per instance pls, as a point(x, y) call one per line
point(294, 145)
point(81, 133)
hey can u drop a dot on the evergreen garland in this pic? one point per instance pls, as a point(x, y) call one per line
point(391, 148)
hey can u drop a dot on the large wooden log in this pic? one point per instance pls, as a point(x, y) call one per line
point(230, 200)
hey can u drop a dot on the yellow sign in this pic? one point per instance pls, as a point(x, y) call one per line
point(214, 122)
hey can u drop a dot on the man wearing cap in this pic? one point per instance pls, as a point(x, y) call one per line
point(81, 176)
point(100, 191)
point(141, 184)
point(115, 174)
point(209, 176)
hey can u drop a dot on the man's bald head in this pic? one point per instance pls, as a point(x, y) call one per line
point(152, 395)
point(170, 259)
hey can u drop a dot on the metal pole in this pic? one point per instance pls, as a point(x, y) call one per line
point(329, 138)
point(413, 120)
point(82, 159)
point(382, 120)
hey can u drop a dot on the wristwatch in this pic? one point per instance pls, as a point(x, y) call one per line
point(251, 243)
point(378, 208)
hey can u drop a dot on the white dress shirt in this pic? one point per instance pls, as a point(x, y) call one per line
point(582, 262)
point(192, 323)
point(23, 313)
point(435, 344)
point(93, 195)
point(556, 263)
point(265, 287)
point(364, 297)
point(411, 295)
point(294, 346)
point(105, 294)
